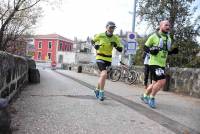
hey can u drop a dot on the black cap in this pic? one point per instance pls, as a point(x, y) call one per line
point(110, 24)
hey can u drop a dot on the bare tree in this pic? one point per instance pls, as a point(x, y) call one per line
point(16, 17)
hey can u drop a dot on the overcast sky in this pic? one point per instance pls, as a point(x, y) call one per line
point(82, 18)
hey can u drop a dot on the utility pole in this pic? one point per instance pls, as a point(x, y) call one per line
point(130, 62)
point(134, 14)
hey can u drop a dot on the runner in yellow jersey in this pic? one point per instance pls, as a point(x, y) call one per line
point(159, 47)
point(104, 43)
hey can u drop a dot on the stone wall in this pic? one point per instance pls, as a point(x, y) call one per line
point(15, 71)
point(185, 80)
point(180, 80)
point(86, 68)
point(13, 74)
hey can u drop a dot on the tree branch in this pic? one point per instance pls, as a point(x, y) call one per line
point(30, 6)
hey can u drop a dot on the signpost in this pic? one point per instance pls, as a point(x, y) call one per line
point(131, 47)
point(132, 35)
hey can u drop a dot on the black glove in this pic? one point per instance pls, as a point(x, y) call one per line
point(174, 51)
point(154, 50)
point(114, 44)
point(146, 49)
point(96, 47)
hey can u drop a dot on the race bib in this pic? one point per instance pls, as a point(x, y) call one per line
point(159, 71)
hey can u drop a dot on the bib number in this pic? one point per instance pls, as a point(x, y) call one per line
point(159, 71)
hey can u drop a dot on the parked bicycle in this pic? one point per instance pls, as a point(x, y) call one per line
point(123, 73)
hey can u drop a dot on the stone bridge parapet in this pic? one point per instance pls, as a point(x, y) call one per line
point(180, 80)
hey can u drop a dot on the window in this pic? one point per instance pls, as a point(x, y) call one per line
point(49, 44)
point(60, 46)
point(49, 56)
point(39, 44)
point(39, 55)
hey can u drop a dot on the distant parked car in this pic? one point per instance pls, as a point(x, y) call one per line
point(53, 65)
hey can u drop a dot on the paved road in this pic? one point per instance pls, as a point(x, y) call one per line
point(65, 104)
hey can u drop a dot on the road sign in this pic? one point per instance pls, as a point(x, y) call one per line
point(131, 37)
point(130, 52)
point(131, 47)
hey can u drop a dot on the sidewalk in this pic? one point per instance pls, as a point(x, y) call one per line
point(183, 109)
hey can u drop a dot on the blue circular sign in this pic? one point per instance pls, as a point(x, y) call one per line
point(132, 36)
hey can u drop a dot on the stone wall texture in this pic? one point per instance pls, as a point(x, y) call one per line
point(13, 74)
point(180, 80)
point(185, 80)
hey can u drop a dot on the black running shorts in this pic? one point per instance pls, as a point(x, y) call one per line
point(157, 72)
point(102, 65)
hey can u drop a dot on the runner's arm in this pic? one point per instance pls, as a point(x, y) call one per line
point(117, 44)
point(93, 42)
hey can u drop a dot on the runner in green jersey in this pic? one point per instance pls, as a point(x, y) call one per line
point(159, 47)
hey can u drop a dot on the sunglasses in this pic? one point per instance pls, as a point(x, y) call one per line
point(112, 27)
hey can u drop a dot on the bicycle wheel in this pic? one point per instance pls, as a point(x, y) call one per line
point(131, 78)
point(115, 74)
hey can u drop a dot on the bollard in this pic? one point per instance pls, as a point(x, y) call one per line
point(34, 75)
point(79, 69)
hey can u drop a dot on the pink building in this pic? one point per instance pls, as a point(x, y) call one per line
point(48, 46)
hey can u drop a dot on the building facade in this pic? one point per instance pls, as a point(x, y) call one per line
point(51, 47)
